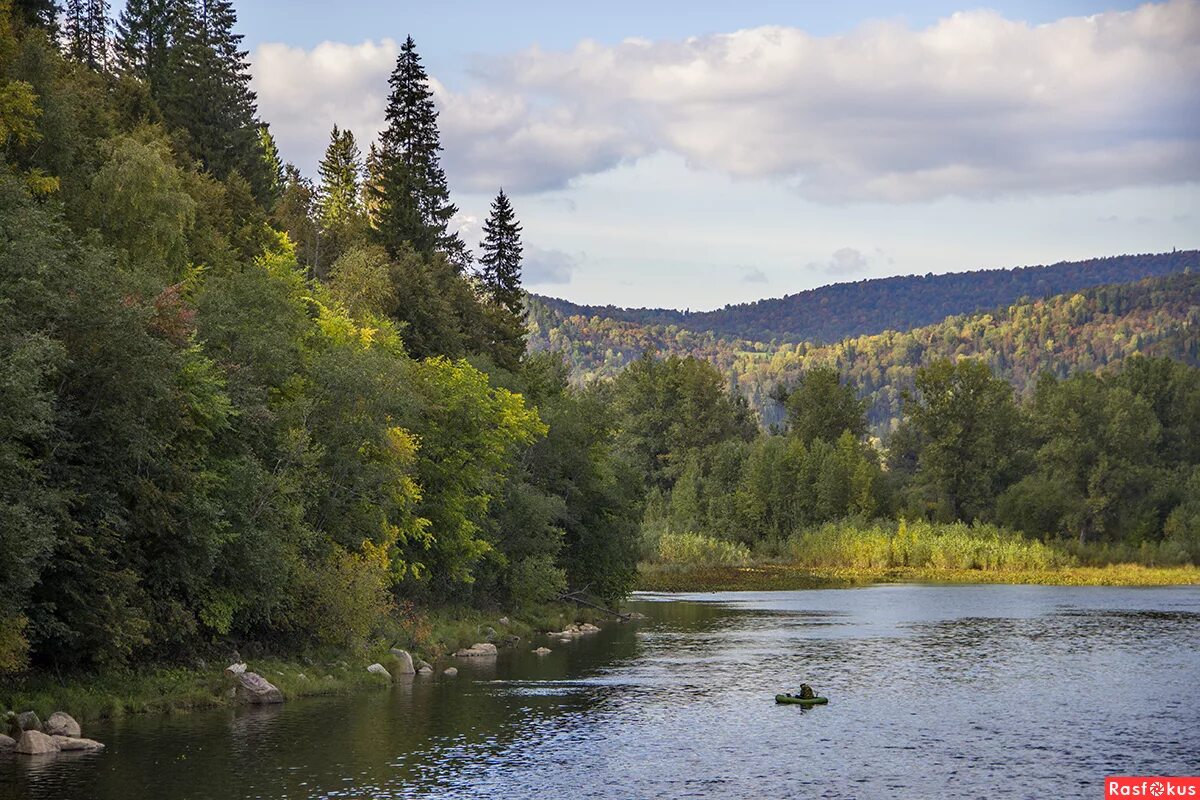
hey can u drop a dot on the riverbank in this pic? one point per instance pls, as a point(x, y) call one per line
point(433, 636)
point(774, 576)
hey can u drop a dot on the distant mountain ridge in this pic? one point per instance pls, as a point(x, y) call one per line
point(1092, 329)
point(835, 312)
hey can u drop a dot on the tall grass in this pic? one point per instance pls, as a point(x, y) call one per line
point(694, 549)
point(883, 544)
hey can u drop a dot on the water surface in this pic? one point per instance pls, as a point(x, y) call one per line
point(946, 691)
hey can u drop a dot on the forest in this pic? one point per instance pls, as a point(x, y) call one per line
point(1089, 330)
point(241, 404)
point(858, 308)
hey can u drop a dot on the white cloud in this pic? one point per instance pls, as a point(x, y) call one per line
point(975, 105)
point(541, 267)
point(754, 275)
point(844, 263)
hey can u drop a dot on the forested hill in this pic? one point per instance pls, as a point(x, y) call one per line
point(1071, 332)
point(832, 313)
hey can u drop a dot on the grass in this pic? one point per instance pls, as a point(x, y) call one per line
point(772, 577)
point(849, 553)
point(171, 689)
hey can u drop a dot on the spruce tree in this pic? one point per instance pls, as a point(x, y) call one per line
point(207, 93)
point(85, 29)
point(37, 13)
point(143, 37)
point(500, 264)
point(412, 197)
point(339, 196)
point(500, 277)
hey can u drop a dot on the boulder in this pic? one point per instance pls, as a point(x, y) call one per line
point(34, 743)
point(405, 667)
point(7, 742)
point(379, 669)
point(503, 620)
point(62, 724)
point(476, 650)
point(588, 627)
point(425, 670)
point(635, 615)
point(423, 666)
point(450, 672)
point(488, 632)
point(233, 670)
point(75, 743)
point(254, 688)
point(543, 651)
point(29, 721)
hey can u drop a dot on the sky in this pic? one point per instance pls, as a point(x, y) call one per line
point(690, 155)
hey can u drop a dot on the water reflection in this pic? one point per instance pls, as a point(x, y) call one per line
point(935, 691)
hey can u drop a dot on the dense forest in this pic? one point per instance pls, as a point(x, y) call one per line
point(1084, 331)
point(844, 310)
point(240, 404)
point(237, 404)
point(1103, 461)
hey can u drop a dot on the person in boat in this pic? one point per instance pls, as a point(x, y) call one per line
point(806, 692)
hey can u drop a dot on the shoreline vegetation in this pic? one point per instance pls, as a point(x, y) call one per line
point(167, 689)
point(852, 554)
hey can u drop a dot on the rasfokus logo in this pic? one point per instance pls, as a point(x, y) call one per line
point(1159, 786)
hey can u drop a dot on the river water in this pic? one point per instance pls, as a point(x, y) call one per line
point(935, 691)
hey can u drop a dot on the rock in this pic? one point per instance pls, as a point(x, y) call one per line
point(450, 672)
point(543, 651)
point(379, 669)
point(588, 627)
point(503, 620)
point(29, 721)
point(33, 743)
point(425, 670)
point(423, 666)
point(405, 667)
point(634, 615)
point(62, 724)
point(233, 670)
point(488, 632)
point(476, 650)
point(7, 742)
point(254, 688)
point(75, 743)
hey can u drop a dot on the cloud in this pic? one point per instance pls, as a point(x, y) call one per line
point(547, 266)
point(975, 105)
point(754, 275)
point(845, 262)
point(304, 93)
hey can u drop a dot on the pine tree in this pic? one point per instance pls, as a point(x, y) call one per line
point(143, 36)
point(207, 93)
point(38, 13)
point(339, 196)
point(85, 28)
point(412, 197)
point(500, 276)
point(273, 163)
point(500, 264)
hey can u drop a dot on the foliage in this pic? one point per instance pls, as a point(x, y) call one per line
point(696, 549)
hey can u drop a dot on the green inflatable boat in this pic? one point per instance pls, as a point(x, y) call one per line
point(801, 701)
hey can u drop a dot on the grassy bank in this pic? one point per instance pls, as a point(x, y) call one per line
point(768, 577)
point(431, 636)
point(849, 553)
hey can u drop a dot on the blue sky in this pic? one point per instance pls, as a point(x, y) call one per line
point(691, 155)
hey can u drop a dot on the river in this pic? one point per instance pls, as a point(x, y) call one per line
point(935, 691)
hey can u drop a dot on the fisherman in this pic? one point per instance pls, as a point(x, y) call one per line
point(806, 692)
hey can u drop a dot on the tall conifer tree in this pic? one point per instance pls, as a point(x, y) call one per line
point(341, 172)
point(143, 37)
point(207, 92)
point(500, 264)
point(85, 29)
point(412, 196)
point(38, 13)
